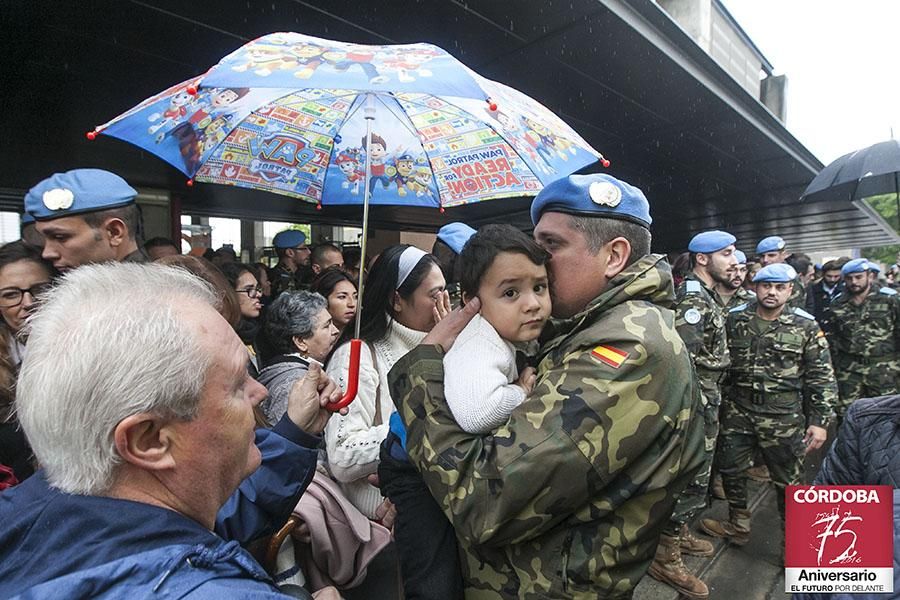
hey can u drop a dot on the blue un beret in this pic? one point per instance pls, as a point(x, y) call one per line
point(874, 267)
point(773, 243)
point(711, 241)
point(741, 257)
point(27, 219)
point(455, 235)
point(857, 265)
point(76, 192)
point(290, 238)
point(777, 273)
point(597, 195)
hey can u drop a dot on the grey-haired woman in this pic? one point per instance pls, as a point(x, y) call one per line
point(299, 330)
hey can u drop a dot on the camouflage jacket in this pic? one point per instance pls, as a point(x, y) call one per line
point(798, 295)
point(741, 296)
point(569, 497)
point(283, 280)
point(772, 372)
point(870, 330)
point(700, 322)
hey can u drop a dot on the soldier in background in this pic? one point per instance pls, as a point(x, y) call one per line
point(863, 329)
point(733, 293)
point(701, 324)
point(569, 497)
point(778, 356)
point(824, 291)
point(293, 256)
point(771, 251)
point(448, 244)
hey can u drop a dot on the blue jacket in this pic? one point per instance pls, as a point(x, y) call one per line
point(58, 545)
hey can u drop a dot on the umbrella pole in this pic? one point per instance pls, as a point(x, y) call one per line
point(356, 343)
point(369, 113)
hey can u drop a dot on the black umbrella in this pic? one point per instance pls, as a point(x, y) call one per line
point(868, 172)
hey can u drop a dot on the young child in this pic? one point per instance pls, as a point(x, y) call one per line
point(504, 267)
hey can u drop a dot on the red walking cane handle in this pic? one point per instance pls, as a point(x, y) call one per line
point(353, 383)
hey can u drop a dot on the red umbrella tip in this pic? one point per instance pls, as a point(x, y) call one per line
point(91, 135)
point(192, 90)
point(605, 163)
point(492, 106)
point(442, 210)
point(189, 183)
point(318, 206)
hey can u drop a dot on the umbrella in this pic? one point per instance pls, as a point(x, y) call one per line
point(868, 172)
point(338, 123)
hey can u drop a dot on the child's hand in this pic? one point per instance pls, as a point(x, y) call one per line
point(526, 379)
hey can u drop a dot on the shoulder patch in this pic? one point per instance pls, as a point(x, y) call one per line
point(888, 291)
point(802, 313)
point(692, 287)
point(609, 355)
point(738, 308)
point(692, 316)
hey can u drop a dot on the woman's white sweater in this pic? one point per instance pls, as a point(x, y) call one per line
point(352, 442)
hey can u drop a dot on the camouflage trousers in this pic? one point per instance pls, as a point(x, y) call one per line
point(857, 381)
point(778, 437)
point(695, 497)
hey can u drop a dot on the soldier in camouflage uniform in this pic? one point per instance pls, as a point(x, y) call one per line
point(863, 328)
point(293, 257)
point(778, 356)
point(569, 497)
point(771, 251)
point(701, 324)
point(734, 293)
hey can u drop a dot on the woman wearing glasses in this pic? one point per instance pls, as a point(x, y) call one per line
point(249, 293)
point(24, 276)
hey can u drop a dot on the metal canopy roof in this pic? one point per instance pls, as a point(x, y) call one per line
point(706, 153)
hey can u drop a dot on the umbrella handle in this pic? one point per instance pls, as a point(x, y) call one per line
point(353, 376)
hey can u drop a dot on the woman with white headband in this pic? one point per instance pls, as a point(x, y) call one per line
point(403, 298)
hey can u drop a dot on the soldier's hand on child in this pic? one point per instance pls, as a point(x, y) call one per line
point(444, 333)
point(814, 438)
point(526, 379)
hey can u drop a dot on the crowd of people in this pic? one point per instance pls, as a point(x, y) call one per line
point(543, 416)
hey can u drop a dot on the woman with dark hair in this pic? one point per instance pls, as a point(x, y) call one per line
point(24, 275)
point(339, 289)
point(299, 329)
point(244, 283)
point(403, 298)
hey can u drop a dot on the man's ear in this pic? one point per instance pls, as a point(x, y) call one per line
point(146, 441)
point(702, 259)
point(116, 231)
point(315, 268)
point(619, 251)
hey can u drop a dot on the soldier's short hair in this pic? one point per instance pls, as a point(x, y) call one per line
point(599, 231)
point(483, 247)
point(319, 251)
point(834, 265)
point(130, 215)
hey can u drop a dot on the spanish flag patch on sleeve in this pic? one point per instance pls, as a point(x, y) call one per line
point(609, 355)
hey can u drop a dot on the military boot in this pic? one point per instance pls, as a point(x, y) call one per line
point(718, 490)
point(668, 568)
point(691, 544)
point(736, 529)
point(759, 473)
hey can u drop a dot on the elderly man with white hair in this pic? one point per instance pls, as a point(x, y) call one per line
point(136, 399)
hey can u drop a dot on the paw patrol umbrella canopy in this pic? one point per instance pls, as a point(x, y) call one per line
point(287, 113)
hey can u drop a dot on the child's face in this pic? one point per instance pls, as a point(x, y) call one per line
point(514, 297)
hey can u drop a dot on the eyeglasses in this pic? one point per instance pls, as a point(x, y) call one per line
point(252, 292)
point(12, 296)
